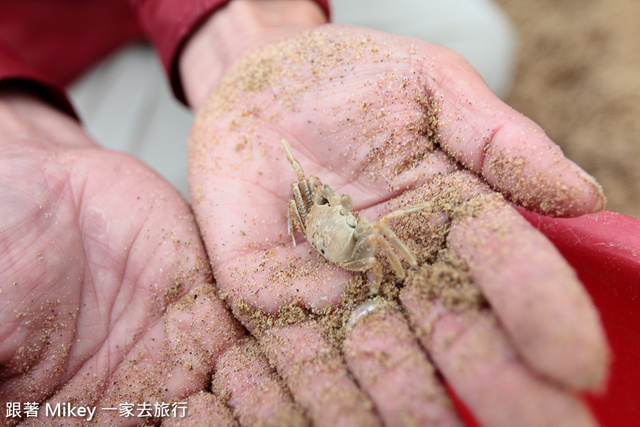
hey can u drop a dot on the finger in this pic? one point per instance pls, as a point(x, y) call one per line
point(390, 92)
point(203, 409)
point(510, 151)
point(537, 296)
point(316, 374)
point(172, 360)
point(481, 366)
point(391, 367)
point(255, 392)
point(473, 236)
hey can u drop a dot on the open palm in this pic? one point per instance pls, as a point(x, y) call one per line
point(394, 122)
point(106, 295)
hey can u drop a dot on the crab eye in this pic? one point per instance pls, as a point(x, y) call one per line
point(346, 203)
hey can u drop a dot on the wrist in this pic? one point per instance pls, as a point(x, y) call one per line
point(234, 30)
point(27, 120)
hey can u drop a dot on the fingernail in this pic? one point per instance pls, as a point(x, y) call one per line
point(601, 200)
point(600, 203)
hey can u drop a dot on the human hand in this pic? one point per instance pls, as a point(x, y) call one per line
point(393, 122)
point(106, 295)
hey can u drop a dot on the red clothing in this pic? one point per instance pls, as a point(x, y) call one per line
point(46, 44)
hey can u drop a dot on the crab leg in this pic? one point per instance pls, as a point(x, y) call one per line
point(403, 212)
point(381, 225)
point(391, 256)
point(314, 184)
point(304, 185)
point(293, 216)
point(397, 243)
point(367, 264)
point(359, 258)
point(302, 206)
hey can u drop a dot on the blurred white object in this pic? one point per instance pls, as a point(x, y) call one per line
point(126, 104)
point(476, 29)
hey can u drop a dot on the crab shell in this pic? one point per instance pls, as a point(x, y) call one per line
point(331, 227)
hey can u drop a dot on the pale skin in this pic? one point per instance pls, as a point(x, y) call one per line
point(101, 260)
point(329, 225)
point(325, 102)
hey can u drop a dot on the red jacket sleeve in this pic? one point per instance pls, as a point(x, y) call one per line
point(46, 44)
point(169, 23)
point(15, 74)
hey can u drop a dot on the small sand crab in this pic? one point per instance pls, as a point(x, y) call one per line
point(340, 235)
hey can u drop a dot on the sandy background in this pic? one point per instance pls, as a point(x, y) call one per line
point(579, 77)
